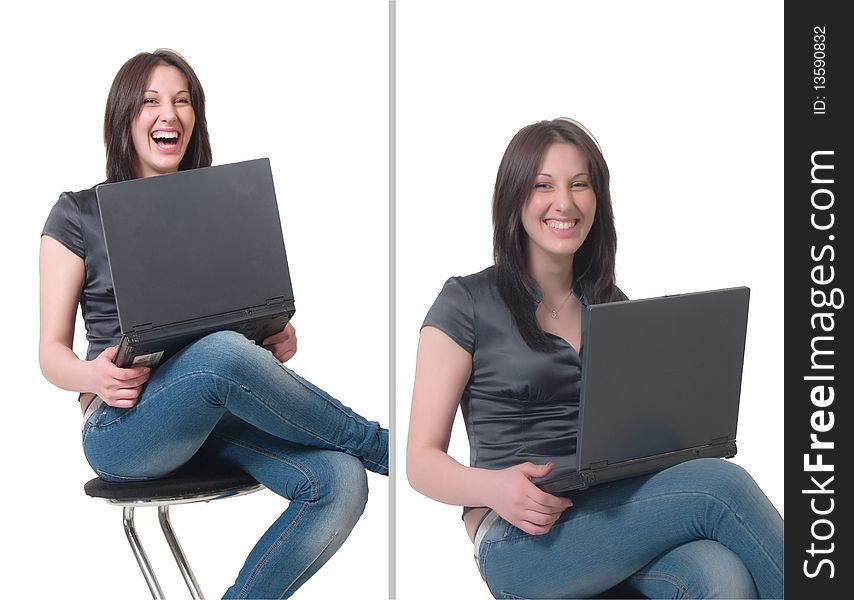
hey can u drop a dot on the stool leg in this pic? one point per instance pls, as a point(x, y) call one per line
point(180, 558)
point(139, 553)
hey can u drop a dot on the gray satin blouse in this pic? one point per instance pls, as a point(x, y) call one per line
point(75, 222)
point(519, 404)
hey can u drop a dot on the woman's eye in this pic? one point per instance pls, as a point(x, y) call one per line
point(148, 100)
point(580, 185)
point(541, 186)
point(182, 101)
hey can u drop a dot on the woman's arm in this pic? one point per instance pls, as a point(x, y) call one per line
point(441, 373)
point(61, 276)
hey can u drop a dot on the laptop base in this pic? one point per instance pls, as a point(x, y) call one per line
point(153, 347)
point(561, 482)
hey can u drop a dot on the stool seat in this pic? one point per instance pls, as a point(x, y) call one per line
point(189, 484)
point(182, 486)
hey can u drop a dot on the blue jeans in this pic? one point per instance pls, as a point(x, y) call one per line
point(700, 529)
point(224, 400)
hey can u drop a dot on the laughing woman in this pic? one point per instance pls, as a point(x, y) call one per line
point(504, 345)
point(139, 424)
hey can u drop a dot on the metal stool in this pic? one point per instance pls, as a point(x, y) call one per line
point(179, 488)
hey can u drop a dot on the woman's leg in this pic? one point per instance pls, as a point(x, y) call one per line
point(615, 530)
point(699, 569)
point(327, 492)
point(219, 374)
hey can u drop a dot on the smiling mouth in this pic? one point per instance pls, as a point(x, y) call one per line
point(165, 139)
point(561, 225)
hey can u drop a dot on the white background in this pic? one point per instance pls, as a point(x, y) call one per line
point(686, 102)
point(305, 84)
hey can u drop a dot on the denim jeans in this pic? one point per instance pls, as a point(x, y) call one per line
point(700, 529)
point(224, 400)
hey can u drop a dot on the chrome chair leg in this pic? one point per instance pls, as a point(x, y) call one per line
point(139, 553)
point(180, 488)
point(180, 558)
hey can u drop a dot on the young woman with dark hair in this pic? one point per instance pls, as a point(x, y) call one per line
point(128, 102)
point(504, 345)
point(222, 400)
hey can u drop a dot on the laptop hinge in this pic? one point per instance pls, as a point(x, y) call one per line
point(720, 440)
point(140, 328)
point(276, 300)
point(599, 465)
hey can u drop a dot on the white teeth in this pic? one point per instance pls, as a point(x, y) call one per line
point(562, 225)
point(164, 135)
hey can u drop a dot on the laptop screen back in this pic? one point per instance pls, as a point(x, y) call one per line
point(661, 375)
point(194, 243)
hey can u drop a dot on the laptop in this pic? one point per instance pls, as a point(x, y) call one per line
point(660, 384)
point(192, 253)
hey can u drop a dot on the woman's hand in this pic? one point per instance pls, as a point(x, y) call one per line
point(283, 345)
point(522, 503)
point(116, 386)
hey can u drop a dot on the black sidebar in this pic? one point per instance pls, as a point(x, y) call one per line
point(819, 65)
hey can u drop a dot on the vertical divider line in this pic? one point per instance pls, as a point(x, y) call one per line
point(391, 296)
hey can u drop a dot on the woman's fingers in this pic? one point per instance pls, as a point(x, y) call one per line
point(548, 503)
point(123, 403)
point(123, 398)
point(117, 384)
point(533, 528)
point(283, 352)
point(538, 518)
point(130, 373)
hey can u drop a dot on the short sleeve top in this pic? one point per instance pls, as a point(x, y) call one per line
point(75, 222)
point(519, 404)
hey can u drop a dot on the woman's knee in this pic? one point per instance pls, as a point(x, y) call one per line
point(698, 569)
point(724, 477)
point(731, 483)
point(220, 348)
point(350, 481)
point(340, 484)
point(227, 354)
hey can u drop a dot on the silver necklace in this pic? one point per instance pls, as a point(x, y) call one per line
point(553, 312)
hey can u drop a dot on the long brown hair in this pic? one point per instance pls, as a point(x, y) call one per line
point(124, 102)
point(593, 263)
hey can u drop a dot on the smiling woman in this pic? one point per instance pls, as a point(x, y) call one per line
point(504, 345)
point(562, 206)
point(164, 125)
point(223, 401)
point(155, 118)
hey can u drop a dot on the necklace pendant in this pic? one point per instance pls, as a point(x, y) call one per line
point(554, 314)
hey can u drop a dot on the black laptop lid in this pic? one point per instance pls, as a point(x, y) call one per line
point(661, 374)
point(194, 243)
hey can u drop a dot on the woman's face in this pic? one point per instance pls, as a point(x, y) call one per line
point(559, 212)
point(162, 128)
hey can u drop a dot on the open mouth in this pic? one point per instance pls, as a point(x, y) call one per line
point(166, 140)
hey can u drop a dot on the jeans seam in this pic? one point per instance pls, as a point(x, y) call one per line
point(482, 564)
point(663, 576)
point(107, 476)
point(302, 468)
point(87, 429)
point(95, 419)
point(352, 417)
point(281, 537)
point(308, 566)
point(276, 543)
